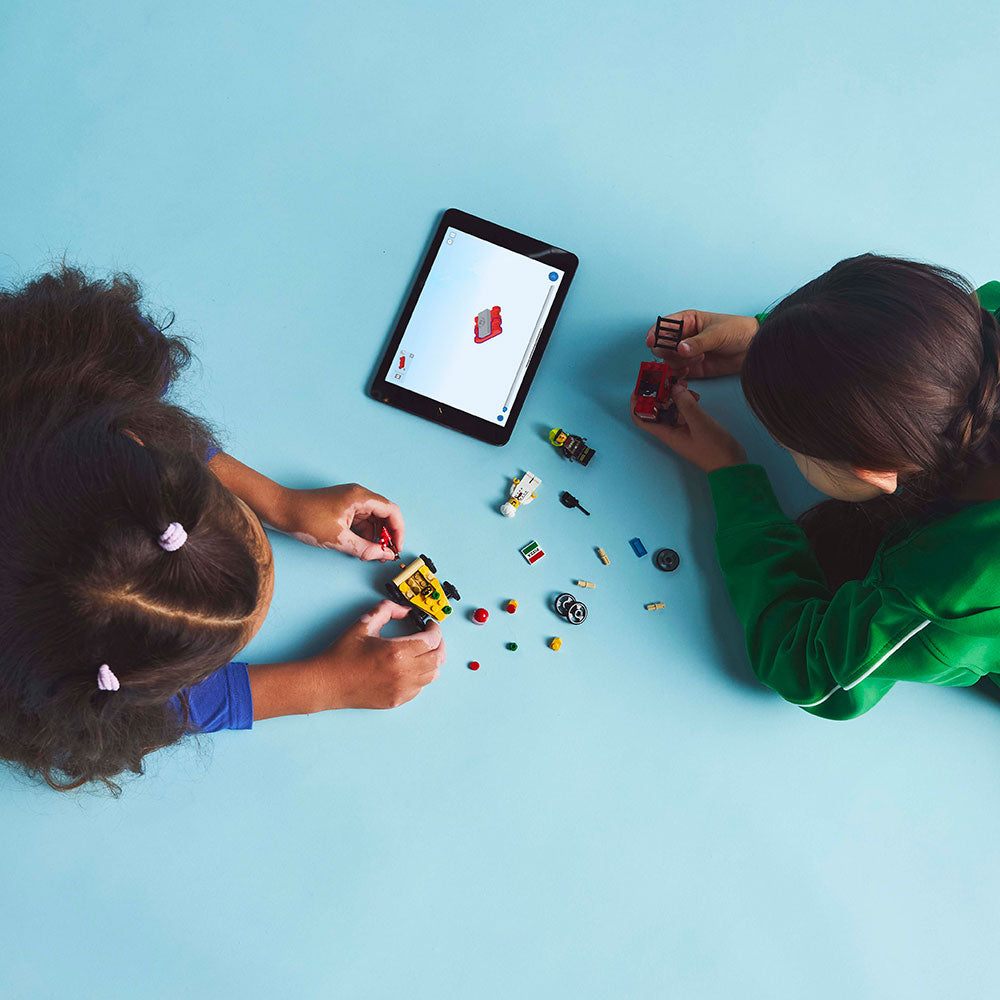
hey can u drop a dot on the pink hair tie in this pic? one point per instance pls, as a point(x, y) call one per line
point(173, 537)
point(106, 680)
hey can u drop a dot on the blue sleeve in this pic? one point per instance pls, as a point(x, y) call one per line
point(211, 453)
point(221, 701)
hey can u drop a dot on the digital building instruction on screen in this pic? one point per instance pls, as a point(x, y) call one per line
point(475, 326)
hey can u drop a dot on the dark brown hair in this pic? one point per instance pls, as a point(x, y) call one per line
point(883, 364)
point(83, 580)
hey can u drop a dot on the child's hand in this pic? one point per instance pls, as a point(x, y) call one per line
point(713, 344)
point(363, 670)
point(347, 518)
point(697, 437)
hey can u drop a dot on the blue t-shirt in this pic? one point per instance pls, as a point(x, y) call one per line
point(221, 701)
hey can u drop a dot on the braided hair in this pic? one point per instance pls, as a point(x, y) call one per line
point(882, 364)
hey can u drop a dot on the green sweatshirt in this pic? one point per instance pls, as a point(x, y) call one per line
point(928, 610)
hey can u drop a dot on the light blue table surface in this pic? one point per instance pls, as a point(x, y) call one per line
point(633, 816)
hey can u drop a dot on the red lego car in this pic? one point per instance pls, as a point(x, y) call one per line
point(653, 391)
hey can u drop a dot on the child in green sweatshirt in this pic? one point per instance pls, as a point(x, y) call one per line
point(881, 378)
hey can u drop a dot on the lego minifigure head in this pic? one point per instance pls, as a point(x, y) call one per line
point(557, 437)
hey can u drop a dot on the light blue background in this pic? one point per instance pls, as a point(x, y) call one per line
point(633, 816)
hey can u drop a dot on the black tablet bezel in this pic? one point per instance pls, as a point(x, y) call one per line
point(423, 406)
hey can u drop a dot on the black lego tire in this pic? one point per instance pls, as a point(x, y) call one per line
point(576, 613)
point(562, 602)
point(428, 563)
point(450, 592)
point(393, 591)
point(420, 618)
point(666, 559)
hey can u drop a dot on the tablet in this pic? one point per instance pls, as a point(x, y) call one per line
point(474, 326)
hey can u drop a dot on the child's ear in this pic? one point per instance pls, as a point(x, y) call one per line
point(885, 481)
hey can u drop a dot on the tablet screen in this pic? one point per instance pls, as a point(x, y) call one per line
point(475, 326)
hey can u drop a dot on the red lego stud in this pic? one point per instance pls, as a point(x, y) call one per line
point(474, 665)
point(480, 615)
point(511, 607)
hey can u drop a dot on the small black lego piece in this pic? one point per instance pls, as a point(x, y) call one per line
point(568, 607)
point(570, 501)
point(668, 332)
point(666, 559)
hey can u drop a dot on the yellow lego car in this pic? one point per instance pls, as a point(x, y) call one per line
point(416, 584)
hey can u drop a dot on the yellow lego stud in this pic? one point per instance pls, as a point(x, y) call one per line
point(555, 643)
point(603, 556)
point(586, 583)
point(656, 606)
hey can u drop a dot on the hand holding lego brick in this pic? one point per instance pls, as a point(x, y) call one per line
point(363, 670)
point(348, 518)
point(711, 343)
point(697, 437)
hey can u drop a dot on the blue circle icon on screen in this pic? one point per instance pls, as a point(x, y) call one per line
point(505, 409)
point(500, 417)
point(553, 276)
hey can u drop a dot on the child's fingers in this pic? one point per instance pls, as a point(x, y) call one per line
point(687, 403)
point(354, 545)
point(426, 642)
point(380, 616)
point(387, 511)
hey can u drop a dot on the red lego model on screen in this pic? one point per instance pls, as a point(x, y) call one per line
point(488, 325)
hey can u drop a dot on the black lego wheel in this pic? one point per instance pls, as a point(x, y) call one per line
point(576, 613)
point(669, 414)
point(562, 602)
point(666, 559)
point(450, 592)
point(393, 591)
point(420, 618)
point(428, 563)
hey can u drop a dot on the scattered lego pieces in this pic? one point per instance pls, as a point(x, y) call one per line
point(511, 607)
point(512, 646)
point(532, 552)
point(570, 501)
point(637, 547)
point(555, 643)
point(571, 446)
point(480, 615)
point(587, 584)
point(655, 606)
point(568, 607)
point(522, 491)
point(666, 559)
point(474, 665)
point(603, 556)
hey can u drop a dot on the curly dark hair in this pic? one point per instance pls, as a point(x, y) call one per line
point(884, 364)
point(83, 580)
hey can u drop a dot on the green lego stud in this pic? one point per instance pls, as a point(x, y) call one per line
point(435, 595)
point(512, 646)
point(447, 609)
